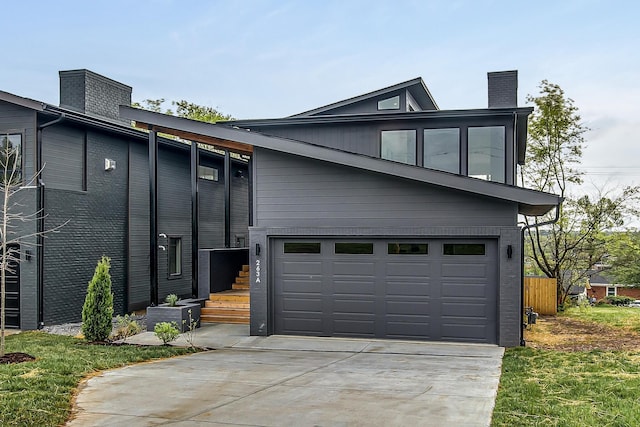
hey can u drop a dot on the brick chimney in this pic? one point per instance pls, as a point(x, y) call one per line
point(92, 94)
point(503, 89)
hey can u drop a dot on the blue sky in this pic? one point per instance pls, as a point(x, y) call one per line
point(258, 59)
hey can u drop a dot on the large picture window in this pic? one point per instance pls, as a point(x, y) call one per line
point(11, 164)
point(442, 149)
point(486, 149)
point(399, 146)
point(175, 256)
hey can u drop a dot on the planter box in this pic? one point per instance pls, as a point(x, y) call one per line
point(179, 314)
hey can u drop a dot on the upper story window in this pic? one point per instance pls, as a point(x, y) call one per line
point(392, 103)
point(486, 153)
point(442, 149)
point(11, 164)
point(398, 145)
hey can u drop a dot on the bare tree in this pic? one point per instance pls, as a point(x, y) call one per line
point(13, 218)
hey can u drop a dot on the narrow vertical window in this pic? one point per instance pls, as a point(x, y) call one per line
point(175, 256)
point(442, 149)
point(11, 157)
point(486, 147)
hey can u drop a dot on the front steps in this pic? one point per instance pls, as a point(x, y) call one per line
point(229, 306)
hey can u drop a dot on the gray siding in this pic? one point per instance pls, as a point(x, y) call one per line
point(364, 138)
point(174, 218)
point(63, 157)
point(16, 118)
point(97, 226)
point(296, 192)
point(139, 271)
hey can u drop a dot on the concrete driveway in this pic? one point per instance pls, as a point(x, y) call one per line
point(297, 381)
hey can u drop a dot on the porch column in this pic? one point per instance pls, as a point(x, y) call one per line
point(194, 219)
point(153, 217)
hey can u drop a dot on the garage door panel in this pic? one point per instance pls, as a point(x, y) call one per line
point(408, 330)
point(465, 309)
point(407, 307)
point(304, 304)
point(341, 287)
point(364, 327)
point(355, 268)
point(342, 306)
point(409, 269)
point(302, 326)
point(302, 267)
point(477, 290)
point(415, 288)
point(301, 286)
point(464, 270)
point(464, 332)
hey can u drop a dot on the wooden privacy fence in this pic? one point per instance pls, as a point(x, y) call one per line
point(541, 293)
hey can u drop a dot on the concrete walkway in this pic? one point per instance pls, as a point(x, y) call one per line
point(297, 381)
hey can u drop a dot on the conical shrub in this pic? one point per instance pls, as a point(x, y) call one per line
point(97, 311)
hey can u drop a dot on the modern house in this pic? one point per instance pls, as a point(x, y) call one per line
point(95, 185)
point(382, 215)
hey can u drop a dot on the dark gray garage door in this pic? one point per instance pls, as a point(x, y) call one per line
point(440, 290)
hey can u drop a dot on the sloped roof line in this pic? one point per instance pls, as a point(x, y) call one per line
point(417, 83)
point(22, 101)
point(530, 202)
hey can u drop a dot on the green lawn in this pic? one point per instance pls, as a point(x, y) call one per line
point(581, 388)
point(39, 393)
point(619, 317)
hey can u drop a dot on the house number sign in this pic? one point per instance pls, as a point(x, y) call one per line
point(257, 271)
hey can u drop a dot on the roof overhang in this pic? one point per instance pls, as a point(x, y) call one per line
point(530, 202)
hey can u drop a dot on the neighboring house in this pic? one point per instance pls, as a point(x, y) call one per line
point(383, 216)
point(95, 175)
point(603, 286)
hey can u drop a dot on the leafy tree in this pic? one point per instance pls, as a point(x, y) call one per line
point(184, 109)
point(97, 311)
point(567, 249)
point(624, 257)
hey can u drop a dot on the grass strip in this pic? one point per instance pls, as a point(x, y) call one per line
point(582, 388)
point(39, 393)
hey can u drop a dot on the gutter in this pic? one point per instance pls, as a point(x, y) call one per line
point(525, 228)
point(40, 210)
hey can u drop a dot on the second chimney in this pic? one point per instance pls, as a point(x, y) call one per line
point(503, 89)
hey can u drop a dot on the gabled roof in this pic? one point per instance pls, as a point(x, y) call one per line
point(530, 202)
point(416, 88)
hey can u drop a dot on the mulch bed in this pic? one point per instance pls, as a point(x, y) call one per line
point(16, 358)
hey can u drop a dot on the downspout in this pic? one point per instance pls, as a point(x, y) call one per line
point(525, 228)
point(40, 208)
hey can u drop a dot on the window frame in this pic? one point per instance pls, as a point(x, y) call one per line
point(178, 259)
point(390, 99)
point(615, 291)
point(469, 129)
point(21, 133)
point(415, 145)
point(216, 174)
